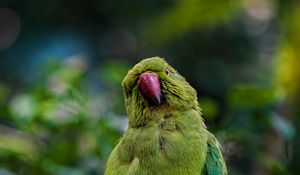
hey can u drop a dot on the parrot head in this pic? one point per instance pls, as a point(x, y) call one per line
point(152, 88)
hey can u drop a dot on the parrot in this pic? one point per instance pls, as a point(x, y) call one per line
point(166, 134)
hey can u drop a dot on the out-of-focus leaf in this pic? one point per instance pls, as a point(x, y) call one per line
point(62, 113)
point(87, 144)
point(189, 15)
point(19, 144)
point(107, 137)
point(64, 108)
point(209, 108)
point(57, 169)
point(287, 57)
point(114, 71)
point(275, 166)
point(254, 96)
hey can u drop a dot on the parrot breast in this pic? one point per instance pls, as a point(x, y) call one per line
point(165, 146)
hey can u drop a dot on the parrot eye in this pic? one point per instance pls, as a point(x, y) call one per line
point(168, 72)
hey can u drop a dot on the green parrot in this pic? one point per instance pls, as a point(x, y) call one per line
point(166, 134)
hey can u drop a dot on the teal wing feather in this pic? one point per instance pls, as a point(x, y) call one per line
point(215, 164)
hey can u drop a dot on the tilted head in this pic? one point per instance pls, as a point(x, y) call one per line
point(153, 87)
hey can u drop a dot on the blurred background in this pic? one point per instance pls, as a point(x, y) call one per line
point(62, 63)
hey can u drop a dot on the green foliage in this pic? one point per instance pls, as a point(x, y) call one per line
point(60, 126)
point(187, 16)
point(210, 108)
point(254, 96)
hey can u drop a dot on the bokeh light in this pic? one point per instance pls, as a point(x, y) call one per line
point(10, 27)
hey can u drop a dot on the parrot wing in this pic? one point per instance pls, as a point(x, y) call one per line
point(215, 164)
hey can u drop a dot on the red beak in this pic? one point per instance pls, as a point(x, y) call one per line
point(149, 86)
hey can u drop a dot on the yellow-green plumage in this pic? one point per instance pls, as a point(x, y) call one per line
point(169, 138)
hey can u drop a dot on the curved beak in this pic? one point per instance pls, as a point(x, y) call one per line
point(149, 86)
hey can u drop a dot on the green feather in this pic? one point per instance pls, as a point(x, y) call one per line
point(168, 139)
point(214, 164)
